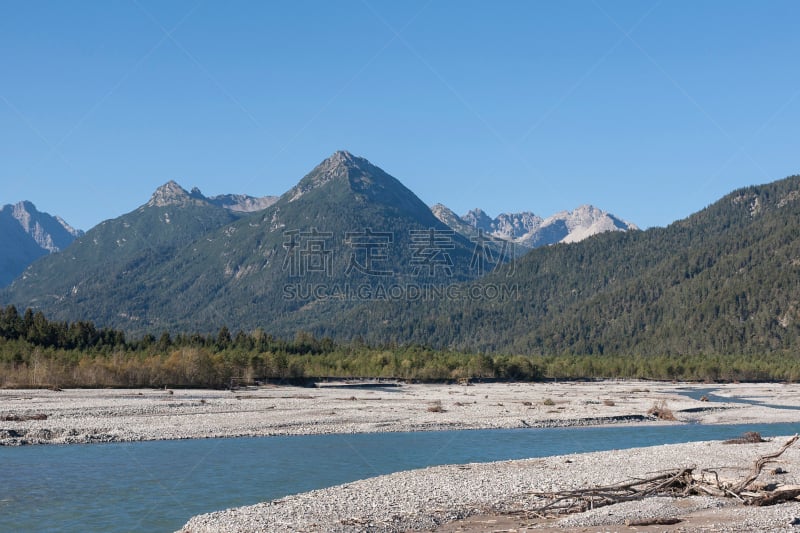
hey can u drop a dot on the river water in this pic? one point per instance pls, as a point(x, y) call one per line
point(158, 486)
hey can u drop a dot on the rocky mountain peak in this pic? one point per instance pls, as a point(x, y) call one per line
point(342, 165)
point(26, 234)
point(441, 210)
point(585, 221)
point(171, 193)
point(449, 218)
point(478, 219)
point(343, 157)
point(515, 225)
point(344, 161)
point(50, 233)
point(24, 213)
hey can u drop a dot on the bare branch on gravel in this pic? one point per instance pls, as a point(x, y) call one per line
point(677, 483)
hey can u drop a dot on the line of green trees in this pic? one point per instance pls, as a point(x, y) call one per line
point(35, 352)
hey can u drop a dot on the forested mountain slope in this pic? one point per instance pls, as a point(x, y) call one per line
point(726, 280)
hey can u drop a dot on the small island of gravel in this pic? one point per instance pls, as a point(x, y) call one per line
point(122, 415)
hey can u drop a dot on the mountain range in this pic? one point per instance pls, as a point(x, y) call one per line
point(27, 234)
point(351, 253)
point(531, 231)
point(185, 261)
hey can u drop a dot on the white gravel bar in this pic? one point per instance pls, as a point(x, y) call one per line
point(430, 498)
point(114, 415)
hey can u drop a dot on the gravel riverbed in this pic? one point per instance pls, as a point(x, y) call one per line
point(448, 498)
point(86, 415)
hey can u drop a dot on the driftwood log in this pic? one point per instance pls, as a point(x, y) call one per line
point(681, 482)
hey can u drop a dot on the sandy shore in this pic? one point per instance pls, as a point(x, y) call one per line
point(495, 496)
point(84, 416)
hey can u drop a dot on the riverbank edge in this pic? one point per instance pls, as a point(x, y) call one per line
point(451, 497)
point(8, 438)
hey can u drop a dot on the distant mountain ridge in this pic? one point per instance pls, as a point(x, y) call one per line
point(171, 193)
point(530, 230)
point(27, 234)
point(185, 261)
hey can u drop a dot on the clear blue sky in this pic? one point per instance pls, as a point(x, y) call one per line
point(651, 110)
